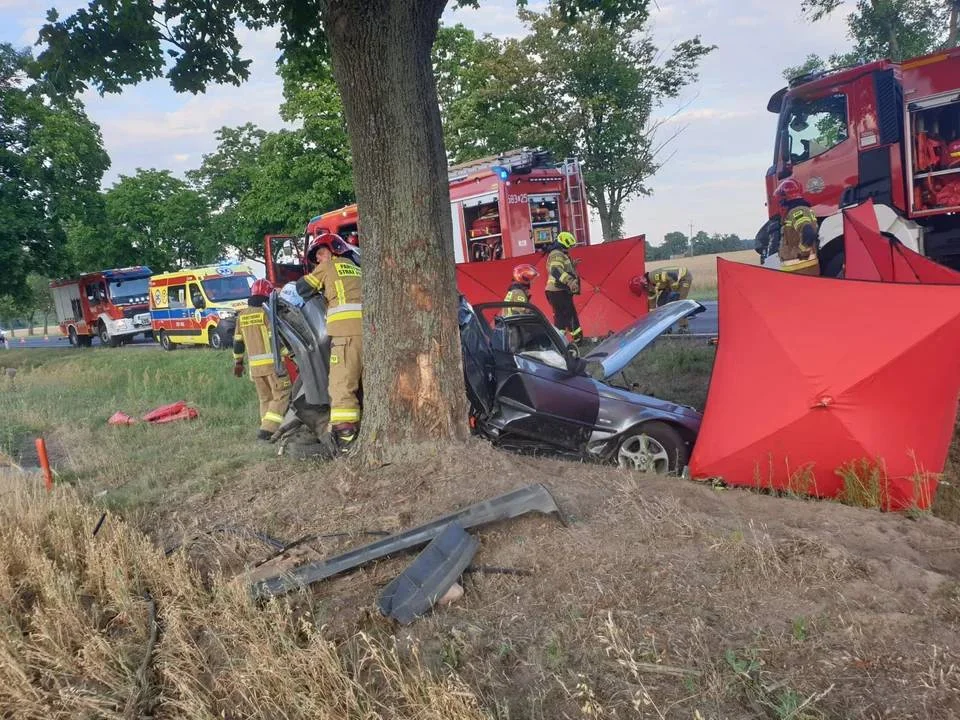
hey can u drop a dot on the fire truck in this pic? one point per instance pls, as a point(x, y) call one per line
point(504, 210)
point(109, 304)
point(504, 206)
point(884, 130)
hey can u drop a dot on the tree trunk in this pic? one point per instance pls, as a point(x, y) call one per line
point(611, 217)
point(952, 33)
point(413, 374)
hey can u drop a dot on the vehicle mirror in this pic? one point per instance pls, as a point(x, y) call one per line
point(576, 365)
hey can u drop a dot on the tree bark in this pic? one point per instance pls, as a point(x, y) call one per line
point(611, 217)
point(952, 33)
point(413, 373)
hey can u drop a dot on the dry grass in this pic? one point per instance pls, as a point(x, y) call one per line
point(704, 269)
point(78, 638)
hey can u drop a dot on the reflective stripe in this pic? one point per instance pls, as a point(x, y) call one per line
point(338, 415)
point(313, 281)
point(341, 295)
point(346, 307)
point(272, 417)
point(352, 315)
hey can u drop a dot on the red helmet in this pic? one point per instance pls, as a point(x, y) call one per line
point(789, 190)
point(639, 285)
point(333, 242)
point(524, 273)
point(262, 287)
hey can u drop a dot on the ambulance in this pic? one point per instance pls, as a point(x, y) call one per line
point(198, 306)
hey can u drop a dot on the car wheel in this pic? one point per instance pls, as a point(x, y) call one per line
point(165, 342)
point(72, 336)
point(215, 339)
point(652, 448)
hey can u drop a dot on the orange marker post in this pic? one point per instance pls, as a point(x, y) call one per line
point(44, 464)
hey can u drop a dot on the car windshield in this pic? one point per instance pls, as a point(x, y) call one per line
point(129, 292)
point(222, 289)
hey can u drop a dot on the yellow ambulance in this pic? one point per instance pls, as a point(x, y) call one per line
point(198, 306)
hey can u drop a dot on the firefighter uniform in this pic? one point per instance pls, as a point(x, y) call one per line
point(562, 284)
point(669, 284)
point(518, 293)
point(799, 238)
point(253, 338)
point(339, 279)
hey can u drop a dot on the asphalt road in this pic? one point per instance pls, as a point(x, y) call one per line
point(58, 342)
point(706, 322)
point(703, 324)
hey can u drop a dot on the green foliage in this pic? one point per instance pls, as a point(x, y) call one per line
point(587, 90)
point(896, 29)
point(51, 163)
point(150, 218)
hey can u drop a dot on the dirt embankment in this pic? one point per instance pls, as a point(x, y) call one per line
point(661, 597)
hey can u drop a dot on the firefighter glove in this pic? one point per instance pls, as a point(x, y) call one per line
point(238, 368)
point(283, 382)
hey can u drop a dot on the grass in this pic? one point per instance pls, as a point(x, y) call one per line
point(663, 599)
point(704, 269)
point(73, 393)
point(106, 626)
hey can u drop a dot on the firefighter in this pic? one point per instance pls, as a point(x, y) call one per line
point(799, 231)
point(252, 337)
point(667, 285)
point(519, 290)
point(339, 279)
point(562, 284)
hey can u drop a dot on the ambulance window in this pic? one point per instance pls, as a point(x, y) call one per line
point(813, 127)
point(177, 294)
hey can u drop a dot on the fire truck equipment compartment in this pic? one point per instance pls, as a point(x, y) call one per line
point(414, 591)
point(532, 498)
point(836, 404)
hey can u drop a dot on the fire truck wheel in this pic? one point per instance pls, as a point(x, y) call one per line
point(72, 336)
point(106, 339)
point(215, 339)
point(165, 342)
point(86, 340)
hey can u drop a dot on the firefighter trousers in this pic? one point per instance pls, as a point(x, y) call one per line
point(273, 401)
point(672, 295)
point(345, 370)
point(565, 313)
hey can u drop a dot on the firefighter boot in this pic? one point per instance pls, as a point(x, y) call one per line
point(264, 435)
point(345, 435)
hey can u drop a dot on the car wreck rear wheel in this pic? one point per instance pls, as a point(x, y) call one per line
point(652, 448)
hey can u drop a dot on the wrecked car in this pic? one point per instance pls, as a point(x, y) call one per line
point(531, 391)
point(528, 390)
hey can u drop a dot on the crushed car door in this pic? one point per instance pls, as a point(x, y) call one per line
point(539, 397)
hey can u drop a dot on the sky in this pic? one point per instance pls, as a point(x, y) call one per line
point(713, 175)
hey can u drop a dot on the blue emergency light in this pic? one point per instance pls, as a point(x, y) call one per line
point(502, 172)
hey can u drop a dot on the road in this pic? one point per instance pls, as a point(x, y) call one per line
point(58, 342)
point(703, 324)
point(706, 322)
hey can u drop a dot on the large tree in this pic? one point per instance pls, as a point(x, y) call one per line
point(895, 29)
point(587, 89)
point(51, 163)
point(380, 54)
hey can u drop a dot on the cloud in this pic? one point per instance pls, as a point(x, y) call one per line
point(707, 114)
point(181, 157)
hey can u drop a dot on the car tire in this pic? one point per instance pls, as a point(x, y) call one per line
point(654, 447)
point(215, 338)
point(165, 342)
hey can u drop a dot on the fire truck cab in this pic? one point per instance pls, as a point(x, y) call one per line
point(504, 206)
point(885, 130)
point(110, 304)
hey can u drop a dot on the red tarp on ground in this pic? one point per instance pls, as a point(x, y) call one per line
point(170, 413)
point(872, 256)
point(121, 418)
point(605, 303)
point(814, 374)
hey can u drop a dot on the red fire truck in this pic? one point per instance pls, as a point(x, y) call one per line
point(109, 304)
point(504, 210)
point(885, 130)
point(501, 207)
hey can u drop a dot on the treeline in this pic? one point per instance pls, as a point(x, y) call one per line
point(676, 244)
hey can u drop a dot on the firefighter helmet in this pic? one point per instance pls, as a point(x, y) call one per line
point(333, 242)
point(640, 284)
point(524, 273)
point(788, 191)
point(261, 288)
point(566, 240)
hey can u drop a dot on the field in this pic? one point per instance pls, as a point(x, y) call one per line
point(660, 598)
point(704, 269)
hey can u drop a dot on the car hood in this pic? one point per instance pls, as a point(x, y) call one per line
point(618, 350)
